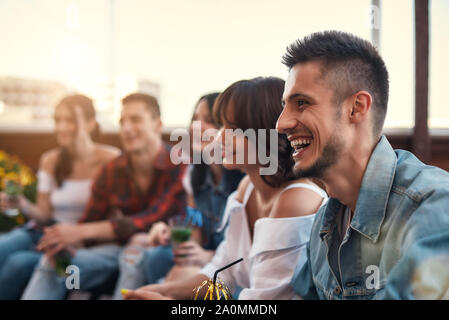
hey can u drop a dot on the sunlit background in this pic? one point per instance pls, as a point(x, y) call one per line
point(179, 50)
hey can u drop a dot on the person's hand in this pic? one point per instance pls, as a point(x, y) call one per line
point(159, 234)
point(6, 203)
point(83, 142)
point(141, 294)
point(190, 252)
point(59, 237)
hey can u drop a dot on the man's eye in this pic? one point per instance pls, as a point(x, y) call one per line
point(301, 103)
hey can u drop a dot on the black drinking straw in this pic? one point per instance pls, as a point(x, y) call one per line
point(229, 265)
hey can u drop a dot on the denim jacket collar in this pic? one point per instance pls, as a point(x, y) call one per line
point(373, 195)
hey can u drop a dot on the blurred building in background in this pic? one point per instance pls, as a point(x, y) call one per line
point(19, 92)
point(28, 104)
point(25, 101)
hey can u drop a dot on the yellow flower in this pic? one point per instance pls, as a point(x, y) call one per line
point(24, 177)
point(11, 176)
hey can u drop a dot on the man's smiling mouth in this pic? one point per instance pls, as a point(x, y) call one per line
point(301, 143)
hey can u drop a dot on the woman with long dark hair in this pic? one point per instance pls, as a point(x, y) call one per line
point(269, 217)
point(64, 178)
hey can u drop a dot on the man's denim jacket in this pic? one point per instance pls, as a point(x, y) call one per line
point(397, 245)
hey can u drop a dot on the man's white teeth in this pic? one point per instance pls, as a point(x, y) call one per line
point(300, 142)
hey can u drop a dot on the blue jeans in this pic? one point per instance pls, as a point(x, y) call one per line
point(17, 260)
point(97, 265)
point(157, 262)
point(141, 266)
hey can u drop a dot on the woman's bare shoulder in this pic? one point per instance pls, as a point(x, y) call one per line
point(296, 202)
point(48, 160)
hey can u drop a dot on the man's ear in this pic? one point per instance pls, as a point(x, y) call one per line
point(361, 104)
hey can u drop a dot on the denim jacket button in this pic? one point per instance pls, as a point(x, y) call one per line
point(337, 290)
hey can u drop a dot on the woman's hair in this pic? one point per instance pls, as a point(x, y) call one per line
point(256, 104)
point(64, 163)
point(198, 175)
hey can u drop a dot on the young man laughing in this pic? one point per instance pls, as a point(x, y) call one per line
point(384, 234)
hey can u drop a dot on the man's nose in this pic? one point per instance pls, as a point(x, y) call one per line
point(286, 121)
point(125, 125)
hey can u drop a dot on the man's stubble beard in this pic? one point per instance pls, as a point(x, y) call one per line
point(329, 157)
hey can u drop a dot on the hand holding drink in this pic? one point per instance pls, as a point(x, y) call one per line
point(191, 253)
point(12, 192)
point(10, 203)
point(17, 191)
point(181, 231)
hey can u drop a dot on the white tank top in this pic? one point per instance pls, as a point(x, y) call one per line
point(68, 201)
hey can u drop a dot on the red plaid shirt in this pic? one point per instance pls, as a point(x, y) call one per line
point(115, 188)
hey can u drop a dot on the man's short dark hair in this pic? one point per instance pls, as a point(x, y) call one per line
point(349, 64)
point(151, 103)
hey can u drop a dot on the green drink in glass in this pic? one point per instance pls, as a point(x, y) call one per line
point(62, 260)
point(180, 234)
point(181, 231)
point(13, 190)
point(12, 216)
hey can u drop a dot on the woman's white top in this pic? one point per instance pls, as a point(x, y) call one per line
point(68, 201)
point(270, 258)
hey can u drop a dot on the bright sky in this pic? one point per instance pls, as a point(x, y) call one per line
point(197, 46)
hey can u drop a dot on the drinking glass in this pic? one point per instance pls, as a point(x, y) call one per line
point(181, 231)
